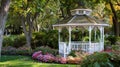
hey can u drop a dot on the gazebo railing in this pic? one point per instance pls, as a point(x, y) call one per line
point(64, 49)
point(78, 45)
point(86, 47)
point(95, 47)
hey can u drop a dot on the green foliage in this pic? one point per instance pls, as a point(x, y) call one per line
point(115, 57)
point(97, 60)
point(72, 53)
point(8, 40)
point(14, 40)
point(86, 38)
point(47, 50)
point(119, 39)
point(112, 39)
point(45, 38)
point(20, 41)
point(76, 35)
point(116, 47)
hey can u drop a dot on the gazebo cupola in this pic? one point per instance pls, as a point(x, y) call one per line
point(81, 12)
point(81, 18)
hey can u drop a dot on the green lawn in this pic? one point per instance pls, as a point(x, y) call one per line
point(25, 61)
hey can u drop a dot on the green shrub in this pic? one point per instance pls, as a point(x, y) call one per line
point(116, 47)
point(19, 41)
point(46, 49)
point(72, 53)
point(52, 39)
point(49, 38)
point(115, 52)
point(119, 39)
point(97, 60)
point(112, 39)
point(9, 40)
point(14, 40)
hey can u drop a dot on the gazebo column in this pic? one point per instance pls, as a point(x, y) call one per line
point(69, 44)
point(59, 31)
point(90, 29)
point(90, 44)
point(59, 44)
point(101, 38)
point(95, 33)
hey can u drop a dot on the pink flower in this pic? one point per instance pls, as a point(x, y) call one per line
point(48, 58)
point(40, 57)
point(63, 60)
point(108, 50)
point(34, 56)
point(56, 59)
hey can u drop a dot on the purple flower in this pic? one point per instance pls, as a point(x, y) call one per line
point(40, 57)
point(48, 58)
point(34, 56)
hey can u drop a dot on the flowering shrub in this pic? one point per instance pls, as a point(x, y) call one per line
point(74, 60)
point(62, 60)
point(36, 54)
point(48, 57)
point(9, 50)
point(56, 59)
point(40, 57)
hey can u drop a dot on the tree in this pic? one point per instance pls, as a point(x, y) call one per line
point(27, 11)
point(4, 7)
point(111, 10)
point(115, 19)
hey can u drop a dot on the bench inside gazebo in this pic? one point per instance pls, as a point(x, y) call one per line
point(81, 18)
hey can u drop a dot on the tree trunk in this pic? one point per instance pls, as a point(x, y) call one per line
point(115, 20)
point(68, 11)
point(27, 34)
point(114, 25)
point(3, 15)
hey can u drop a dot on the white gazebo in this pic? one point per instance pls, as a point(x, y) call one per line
point(81, 18)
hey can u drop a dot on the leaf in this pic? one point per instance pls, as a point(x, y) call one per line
point(109, 64)
point(96, 64)
point(90, 65)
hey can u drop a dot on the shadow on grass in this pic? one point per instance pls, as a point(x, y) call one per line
point(5, 58)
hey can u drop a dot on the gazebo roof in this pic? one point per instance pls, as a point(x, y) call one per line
point(81, 18)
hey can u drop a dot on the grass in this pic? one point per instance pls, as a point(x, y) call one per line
point(25, 61)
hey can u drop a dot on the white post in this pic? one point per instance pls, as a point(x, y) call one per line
point(90, 39)
point(69, 39)
point(59, 30)
point(103, 38)
point(95, 34)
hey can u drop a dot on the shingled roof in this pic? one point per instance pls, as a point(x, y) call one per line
point(80, 19)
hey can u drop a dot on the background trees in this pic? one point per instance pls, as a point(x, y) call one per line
point(28, 16)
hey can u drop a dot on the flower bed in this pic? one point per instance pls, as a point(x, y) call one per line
point(48, 57)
